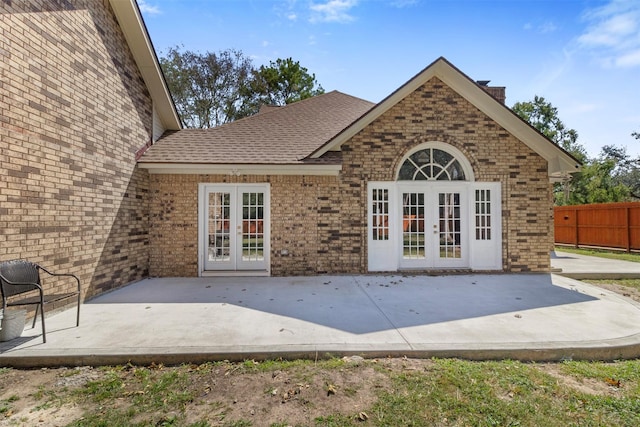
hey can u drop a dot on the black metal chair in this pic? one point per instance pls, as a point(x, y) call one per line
point(19, 277)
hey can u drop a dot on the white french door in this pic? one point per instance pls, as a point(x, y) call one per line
point(434, 226)
point(234, 224)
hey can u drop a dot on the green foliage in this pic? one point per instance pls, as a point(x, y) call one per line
point(611, 177)
point(284, 82)
point(543, 116)
point(595, 183)
point(210, 89)
point(626, 171)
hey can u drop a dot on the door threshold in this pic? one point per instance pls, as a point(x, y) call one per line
point(235, 273)
point(436, 271)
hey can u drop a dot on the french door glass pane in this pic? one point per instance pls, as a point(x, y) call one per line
point(253, 226)
point(413, 244)
point(449, 225)
point(380, 214)
point(219, 222)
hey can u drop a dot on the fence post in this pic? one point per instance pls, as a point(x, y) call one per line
point(575, 213)
point(627, 220)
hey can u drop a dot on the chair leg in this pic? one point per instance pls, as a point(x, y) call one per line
point(44, 333)
point(78, 315)
point(35, 316)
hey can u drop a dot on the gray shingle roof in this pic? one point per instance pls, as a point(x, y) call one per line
point(283, 135)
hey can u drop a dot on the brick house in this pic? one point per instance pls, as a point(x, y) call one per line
point(80, 94)
point(439, 176)
point(99, 180)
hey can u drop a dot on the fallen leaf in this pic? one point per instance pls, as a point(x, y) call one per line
point(331, 389)
point(613, 382)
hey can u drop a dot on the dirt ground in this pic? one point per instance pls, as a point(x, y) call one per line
point(43, 396)
point(227, 392)
point(626, 291)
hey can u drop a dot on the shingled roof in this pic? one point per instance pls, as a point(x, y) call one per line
point(277, 136)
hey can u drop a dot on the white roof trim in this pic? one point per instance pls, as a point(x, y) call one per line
point(560, 162)
point(134, 30)
point(240, 169)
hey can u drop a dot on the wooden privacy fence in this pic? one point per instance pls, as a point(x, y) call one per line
point(609, 225)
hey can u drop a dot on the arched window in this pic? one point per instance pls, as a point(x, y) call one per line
point(432, 164)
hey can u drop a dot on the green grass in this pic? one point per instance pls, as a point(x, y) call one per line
point(139, 391)
point(623, 256)
point(435, 392)
point(630, 283)
point(456, 392)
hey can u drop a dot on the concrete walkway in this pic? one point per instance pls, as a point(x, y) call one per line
point(589, 267)
point(525, 316)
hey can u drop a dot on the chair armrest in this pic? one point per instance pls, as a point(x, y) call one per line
point(61, 275)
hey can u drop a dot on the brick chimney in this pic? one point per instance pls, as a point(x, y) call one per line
point(498, 92)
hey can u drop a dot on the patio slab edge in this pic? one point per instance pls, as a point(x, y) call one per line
point(598, 275)
point(610, 350)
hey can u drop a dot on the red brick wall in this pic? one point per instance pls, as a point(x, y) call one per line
point(73, 112)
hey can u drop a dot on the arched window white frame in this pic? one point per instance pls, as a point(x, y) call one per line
point(435, 161)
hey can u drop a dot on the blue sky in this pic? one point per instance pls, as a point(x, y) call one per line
point(581, 55)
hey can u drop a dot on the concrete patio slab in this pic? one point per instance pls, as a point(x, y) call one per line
point(578, 266)
point(181, 320)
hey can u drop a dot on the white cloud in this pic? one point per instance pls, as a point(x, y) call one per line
point(544, 28)
point(613, 33)
point(148, 8)
point(630, 59)
point(403, 3)
point(332, 11)
point(547, 27)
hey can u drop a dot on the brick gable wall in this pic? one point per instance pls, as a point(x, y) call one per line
point(321, 221)
point(434, 112)
point(73, 111)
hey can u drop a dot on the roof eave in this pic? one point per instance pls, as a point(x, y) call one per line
point(241, 169)
point(135, 32)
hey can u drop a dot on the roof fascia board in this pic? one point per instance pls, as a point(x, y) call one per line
point(240, 169)
point(135, 32)
point(560, 163)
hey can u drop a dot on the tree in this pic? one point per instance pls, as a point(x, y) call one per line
point(212, 89)
point(597, 183)
point(627, 169)
point(208, 89)
point(544, 117)
point(283, 82)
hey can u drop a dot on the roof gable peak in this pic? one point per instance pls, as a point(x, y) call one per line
point(560, 162)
